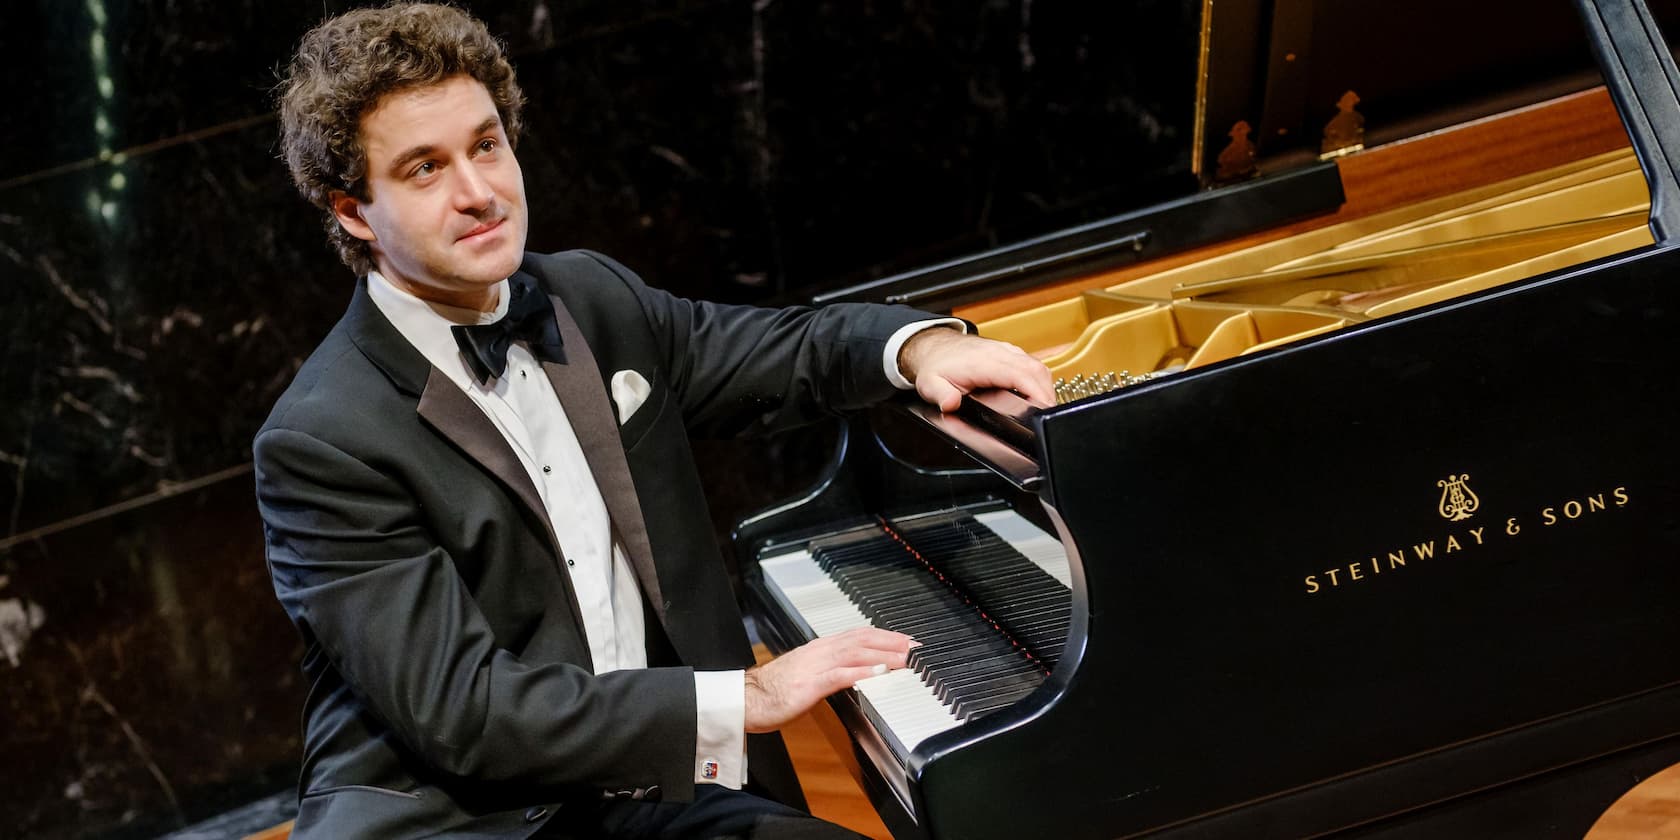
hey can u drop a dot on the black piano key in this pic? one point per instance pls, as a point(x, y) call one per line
point(969, 710)
point(978, 673)
point(912, 598)
point(927, 620)
point(969, 696)
point(1041, 641)
point(978, 606)
point(987, 689)
point(946, 632)
point(1050, 617)
point(962, 653)
point(934, 641)
point(951, 691)
point(929, 604)
point(876, 573)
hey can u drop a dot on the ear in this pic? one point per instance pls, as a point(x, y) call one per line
point(348, 210)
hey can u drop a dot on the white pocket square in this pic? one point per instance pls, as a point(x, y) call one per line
point(629, 391)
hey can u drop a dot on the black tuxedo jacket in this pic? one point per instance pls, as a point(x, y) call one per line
point(451, 684)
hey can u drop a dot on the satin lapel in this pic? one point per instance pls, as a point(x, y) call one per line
point(382, 344)
point(584, 397)
point(453, 414)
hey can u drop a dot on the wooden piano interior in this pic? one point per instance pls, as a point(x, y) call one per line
point(1426, 220)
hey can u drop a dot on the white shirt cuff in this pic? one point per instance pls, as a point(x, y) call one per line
point(720, 738)
point(889, 359)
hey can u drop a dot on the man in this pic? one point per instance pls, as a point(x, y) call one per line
point(479, 501)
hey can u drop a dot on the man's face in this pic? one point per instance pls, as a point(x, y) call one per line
point(446, 207)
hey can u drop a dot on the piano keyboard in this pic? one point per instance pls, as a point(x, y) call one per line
point(988, 595)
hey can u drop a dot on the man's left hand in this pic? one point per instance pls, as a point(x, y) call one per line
point(944, 364)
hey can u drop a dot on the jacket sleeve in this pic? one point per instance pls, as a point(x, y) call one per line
point(355, 567)
point(751, 369)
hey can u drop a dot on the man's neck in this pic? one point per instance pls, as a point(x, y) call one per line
point(482, 300)
point(386, 290)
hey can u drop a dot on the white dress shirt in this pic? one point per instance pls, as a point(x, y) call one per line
point(521, 403)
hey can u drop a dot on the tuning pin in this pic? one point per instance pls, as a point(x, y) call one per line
point(1061, 386)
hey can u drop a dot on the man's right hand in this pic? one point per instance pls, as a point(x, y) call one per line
point(786, 687)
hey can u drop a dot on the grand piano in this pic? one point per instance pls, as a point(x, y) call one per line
point(1369, 530)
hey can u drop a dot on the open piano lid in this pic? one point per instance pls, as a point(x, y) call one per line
point(1279, 65)
point(1638, 70)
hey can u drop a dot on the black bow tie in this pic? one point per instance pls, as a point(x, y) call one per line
point(530, 318)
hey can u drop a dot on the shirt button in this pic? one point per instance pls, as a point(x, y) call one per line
point(547, 469)
point(536, 813)
point(570, 562)
point(522, 374)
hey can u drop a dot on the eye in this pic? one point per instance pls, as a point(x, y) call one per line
point(425, 169)
point(487, 145)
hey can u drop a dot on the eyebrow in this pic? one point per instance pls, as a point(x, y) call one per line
point(417, 152)
point(403, 160)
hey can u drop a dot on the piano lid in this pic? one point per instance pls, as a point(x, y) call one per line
point(1285, 68)
point(1280, 87)
point(1213, 311)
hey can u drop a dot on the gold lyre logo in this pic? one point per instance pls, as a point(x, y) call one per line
point(1457, 502)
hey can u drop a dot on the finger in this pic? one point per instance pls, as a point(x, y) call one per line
point(859, 646)
point(940, 391)
point(878, 637)
point(1036, 384)
point(851, 656)
point(847, 677)
point(845, 656)
point(1032, 378)
point(992, 364)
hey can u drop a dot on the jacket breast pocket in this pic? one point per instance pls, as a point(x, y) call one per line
point(637, 425)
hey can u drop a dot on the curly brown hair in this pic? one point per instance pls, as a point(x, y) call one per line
point(347, 64)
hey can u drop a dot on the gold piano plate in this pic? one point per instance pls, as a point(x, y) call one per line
point(1311, 283)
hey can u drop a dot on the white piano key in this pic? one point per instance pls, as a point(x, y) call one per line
point(813, 598)
point(1042, 549)
point(904, 704)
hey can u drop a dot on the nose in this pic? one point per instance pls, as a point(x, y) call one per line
point(472, 192)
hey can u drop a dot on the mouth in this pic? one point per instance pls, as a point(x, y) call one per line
point(481, 230)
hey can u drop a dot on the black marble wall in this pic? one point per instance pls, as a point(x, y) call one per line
point(160, 282)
